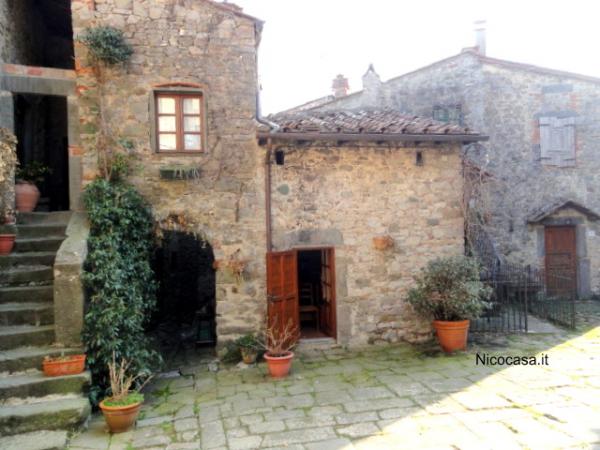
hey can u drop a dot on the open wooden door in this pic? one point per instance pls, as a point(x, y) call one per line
point(282, 289)
point(328, 313)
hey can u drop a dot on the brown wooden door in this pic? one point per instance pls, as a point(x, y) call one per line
point(282, 289)
point(328, 315)
point(561, 260)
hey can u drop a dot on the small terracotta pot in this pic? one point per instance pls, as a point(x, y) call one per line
point(7, 242)
point(120, 418)
point(279, 366)
point(64, 365)
point(452, 335)
point(248, 355)
point(26, 196)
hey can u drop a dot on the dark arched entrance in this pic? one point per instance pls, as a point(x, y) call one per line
point(185, 313)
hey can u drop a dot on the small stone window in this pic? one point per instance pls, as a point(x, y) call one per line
point(448, 114)
point(179, 122)
point(557, 141)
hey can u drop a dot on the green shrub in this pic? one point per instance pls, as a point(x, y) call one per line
point(450, 289)
point(106, 45)
point(120, 281)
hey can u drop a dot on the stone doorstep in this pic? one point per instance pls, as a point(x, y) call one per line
point(36, 440)
point(39, 244)
point(27, 259)
point(40, 313)
point(44, 230)
point(17, 336)
point(39, 385)
point(27, 274)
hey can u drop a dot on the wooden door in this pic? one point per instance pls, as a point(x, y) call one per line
point(328, 310)
point(282, 290)
point(561, 260)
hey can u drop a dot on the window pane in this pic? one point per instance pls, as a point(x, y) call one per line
point(166, 105)
point(167, 141)
point(166, 123)
point(191, 106)
point(191, 123)
point(192, 141)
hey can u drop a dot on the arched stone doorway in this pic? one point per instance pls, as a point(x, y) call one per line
point(186, 302)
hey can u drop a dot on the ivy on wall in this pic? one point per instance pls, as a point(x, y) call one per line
point(120, 281)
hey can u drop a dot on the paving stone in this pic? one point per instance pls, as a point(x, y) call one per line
point(310, 422)
point(154, 441)
point(186, 425)
point(245, 443)
point(350, 418)
point(298, 436)
point(373, 405)
point(330, 444)
point(371, 393)
point(183, 446)
point(212, 434)
point(236, 432)
point(251, 418)
point(266, 427)
point(292, 402)
point(154, 421)
point(287, 414)
point(359, 430)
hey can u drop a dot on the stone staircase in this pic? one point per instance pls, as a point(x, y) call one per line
point(36, 412)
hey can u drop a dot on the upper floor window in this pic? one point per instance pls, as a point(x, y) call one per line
point(557, 141)
point(448, 114)
point(179, 122)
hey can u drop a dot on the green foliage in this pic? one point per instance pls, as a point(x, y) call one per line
point(120, 281)
point(450, 289)
point(34, 172)
point(129, 399)
point(106, 45)
point(248, 341)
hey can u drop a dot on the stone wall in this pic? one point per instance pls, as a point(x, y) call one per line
point(344, 197)
point(18, 44)
point(194, 42)
point(504, 101)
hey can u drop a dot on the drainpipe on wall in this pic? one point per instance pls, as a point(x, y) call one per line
point(273, 127)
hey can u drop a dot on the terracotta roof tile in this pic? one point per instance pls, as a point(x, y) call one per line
point(386, 122)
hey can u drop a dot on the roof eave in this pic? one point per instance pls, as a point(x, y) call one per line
point(372, 137)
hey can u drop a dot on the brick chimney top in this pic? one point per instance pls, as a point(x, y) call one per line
point(480, 26)
point(340, 86)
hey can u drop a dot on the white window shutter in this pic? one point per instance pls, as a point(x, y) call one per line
point(557, 141)
point(568, 141)
point(545, 139)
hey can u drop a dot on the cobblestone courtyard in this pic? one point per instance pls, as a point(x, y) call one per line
point(381, 398)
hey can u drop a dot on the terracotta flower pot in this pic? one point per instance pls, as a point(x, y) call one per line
point(279, 366)
point(452, 335)
point(383, 242)
point(7, 242)
point(63, 365)
point(248, 355)
point(26, 196)
point(120, 418)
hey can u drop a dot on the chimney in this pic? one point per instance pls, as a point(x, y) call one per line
point(480, 36)
point(340, 86)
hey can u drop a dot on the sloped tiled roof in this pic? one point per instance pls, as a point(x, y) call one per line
point(339, 124)
point(548, 210)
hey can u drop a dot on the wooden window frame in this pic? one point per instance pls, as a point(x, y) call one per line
point(179, 95)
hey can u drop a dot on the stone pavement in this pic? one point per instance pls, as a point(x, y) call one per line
point(396, 397)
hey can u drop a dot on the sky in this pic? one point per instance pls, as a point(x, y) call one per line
point(306, 43)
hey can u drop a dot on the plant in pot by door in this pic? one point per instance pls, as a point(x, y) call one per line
point(122, 408)
point(63, 365)
point(27, 193)
point(248, 346)
point(7, 235)
point(449, 291)
point(278, 344)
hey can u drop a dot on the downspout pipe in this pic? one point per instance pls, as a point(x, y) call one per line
point(273, 128)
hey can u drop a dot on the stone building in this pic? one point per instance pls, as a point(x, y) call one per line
point(542, 153)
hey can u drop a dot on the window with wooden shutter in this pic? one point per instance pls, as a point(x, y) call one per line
point(179, 122)
point(557, 141)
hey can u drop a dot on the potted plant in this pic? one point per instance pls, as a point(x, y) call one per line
point(248, 346)
point(7, 235)
point(122, 408)
point(63, 365)
point(449, 291)
point(27, 193)
point(278, 344)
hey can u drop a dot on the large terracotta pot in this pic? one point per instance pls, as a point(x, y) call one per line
point(63, 365)
point(7, 242)
point(279, 366)
point(452, 335)
point(26, 196)
point(120, 418)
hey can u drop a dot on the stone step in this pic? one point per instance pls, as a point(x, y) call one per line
point(27, 313)
point(42, 244)
point(15, 294)
point(44, 414)
point(38, 385)
point(22, 335)
point(27, 259)
point(44, 217)
point(24, 358)
point(36, 440)
point(26, 275)
point(44, 230)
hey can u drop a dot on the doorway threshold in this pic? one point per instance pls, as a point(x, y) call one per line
point(321, 343)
